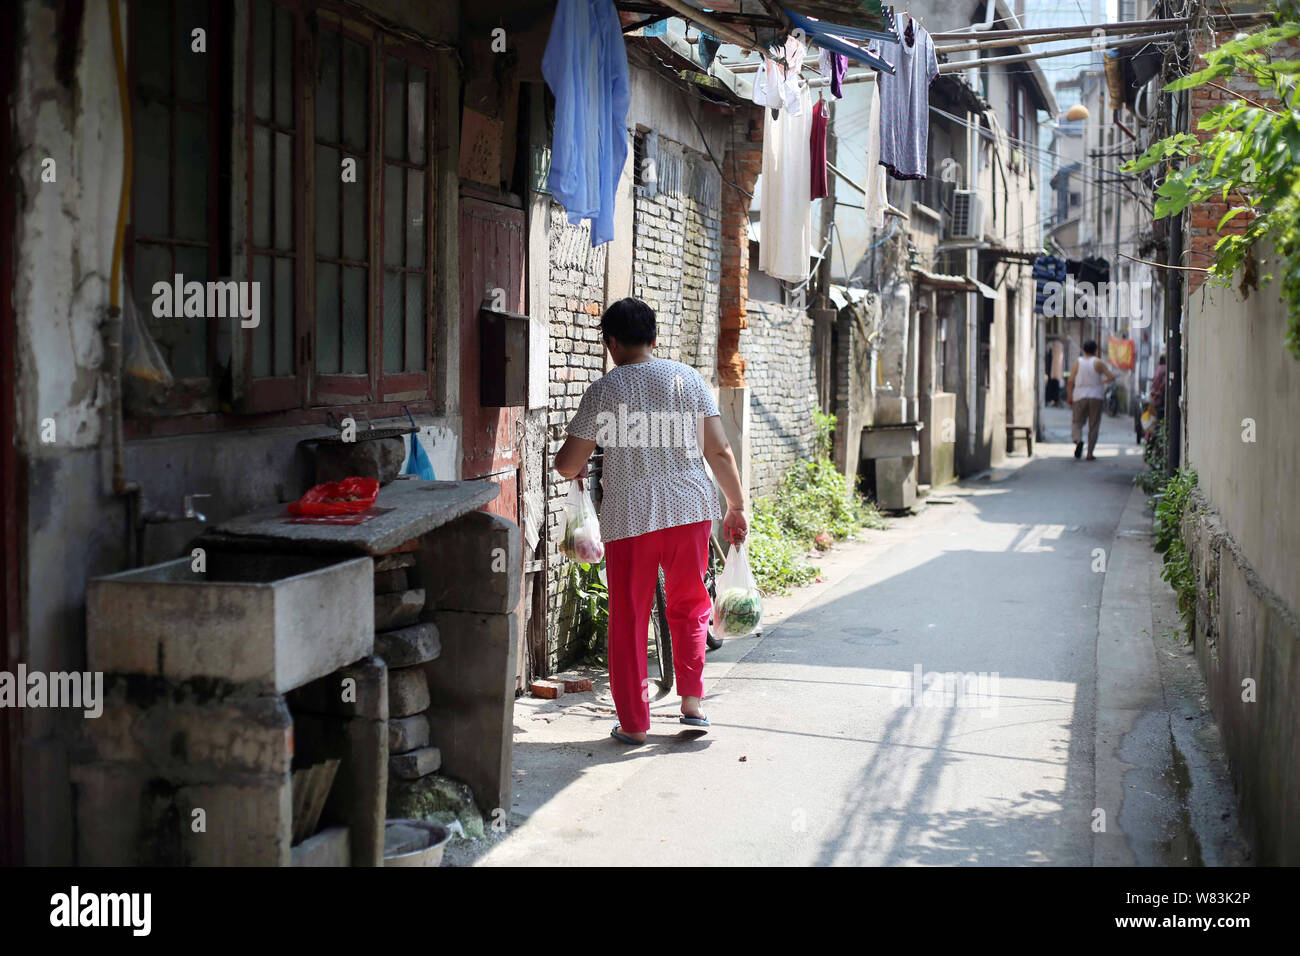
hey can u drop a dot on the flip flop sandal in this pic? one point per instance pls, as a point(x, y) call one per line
point(696, 721)
point(624, 738)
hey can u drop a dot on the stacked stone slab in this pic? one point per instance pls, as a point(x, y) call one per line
point(406, 644)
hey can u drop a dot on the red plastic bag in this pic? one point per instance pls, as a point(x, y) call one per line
point(347, 497)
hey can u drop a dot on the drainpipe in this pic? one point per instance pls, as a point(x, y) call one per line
point(113, 347)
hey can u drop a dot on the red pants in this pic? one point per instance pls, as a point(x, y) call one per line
point(632, 572)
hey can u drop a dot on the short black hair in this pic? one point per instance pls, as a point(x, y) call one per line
point(1090, 347)
point(629, 321)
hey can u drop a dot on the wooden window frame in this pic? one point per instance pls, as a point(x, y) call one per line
point(306, 395)
point(342, 388)
point(275, 393)
point(407, 386)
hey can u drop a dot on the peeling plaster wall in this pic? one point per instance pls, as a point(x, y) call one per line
point(64, 232)
point(63, 250)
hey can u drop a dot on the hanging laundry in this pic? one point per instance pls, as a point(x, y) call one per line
point(905, 105)
point(818, 150)
point(835, 37)
point(785, 224)
point(877, 197)
point(707, 47)
point(1049, 272)
point(777, 85)
point(585, 65)
point(834, 66)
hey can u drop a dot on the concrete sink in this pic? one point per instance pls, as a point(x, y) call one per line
point(272, 621)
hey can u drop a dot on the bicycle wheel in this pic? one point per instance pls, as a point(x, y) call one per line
point(711, 582)
point(662, 638)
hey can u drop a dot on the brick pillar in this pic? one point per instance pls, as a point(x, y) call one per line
point(741, 166)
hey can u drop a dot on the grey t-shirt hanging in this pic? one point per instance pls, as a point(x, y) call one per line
point(646, 417)
point(905, 104)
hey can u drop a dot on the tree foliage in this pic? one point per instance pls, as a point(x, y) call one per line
point(1249, 155)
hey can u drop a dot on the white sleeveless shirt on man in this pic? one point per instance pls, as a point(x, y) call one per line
point(1087, 380)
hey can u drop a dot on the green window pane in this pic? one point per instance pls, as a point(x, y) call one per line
point(192, 159)
point(327, 87)
point(152, 130)
point(261, 174)
point(415, 224)
point(284, 310)
point(151, 47)
point(262, 39)
point(190, 341)
point(393, 212)
point(394, 110)
point(262, 335)
point(356, 95)
point(327, 318)
point(153, 263)
point(191, 67)
point(283, 67)
point(327, 201)
point(354, 320)
point(284, 191)
point(414, 323)
point(356, 229)
point(417, 131)
point(394, 334)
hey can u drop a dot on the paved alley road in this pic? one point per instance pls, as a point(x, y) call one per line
point(819, 753)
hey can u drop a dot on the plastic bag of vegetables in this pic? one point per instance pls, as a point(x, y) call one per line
point(581, 541)
point(738, 607)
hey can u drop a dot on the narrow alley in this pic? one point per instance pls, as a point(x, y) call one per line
point(819, 753)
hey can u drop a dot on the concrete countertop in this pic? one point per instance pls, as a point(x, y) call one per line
point(404, 510)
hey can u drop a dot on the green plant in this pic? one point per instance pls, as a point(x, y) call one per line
point(813, 498)
point(585, 608)
point(1251, 157)
point(1156, 457)
point(1169, 542)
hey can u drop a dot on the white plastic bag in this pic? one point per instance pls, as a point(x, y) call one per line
point(738, 607)
point(581, 539)
point(142, 358)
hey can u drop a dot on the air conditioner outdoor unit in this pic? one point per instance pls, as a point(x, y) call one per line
point(967, 218)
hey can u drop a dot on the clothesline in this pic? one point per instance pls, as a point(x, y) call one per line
point(957, 66)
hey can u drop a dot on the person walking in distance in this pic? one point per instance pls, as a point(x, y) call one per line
point(1088, 380)
point(658, 506)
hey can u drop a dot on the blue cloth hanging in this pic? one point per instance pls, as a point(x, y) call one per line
point(417, 463)
point(585, 65)
point(830, 36)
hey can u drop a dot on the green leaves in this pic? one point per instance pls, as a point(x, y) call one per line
point(1177, 145)
point(1252, 157)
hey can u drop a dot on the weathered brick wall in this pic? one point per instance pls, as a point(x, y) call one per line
point(777, 345)
point(677, 257)
point(577, 360)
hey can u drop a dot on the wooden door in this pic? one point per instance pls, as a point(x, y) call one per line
point(492, 251)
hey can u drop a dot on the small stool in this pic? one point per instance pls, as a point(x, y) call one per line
point(1014, 432)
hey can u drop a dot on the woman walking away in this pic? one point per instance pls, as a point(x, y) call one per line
point(1087, 388)
point(657, 422)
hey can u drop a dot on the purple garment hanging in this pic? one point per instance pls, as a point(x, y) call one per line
point(839, 66)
